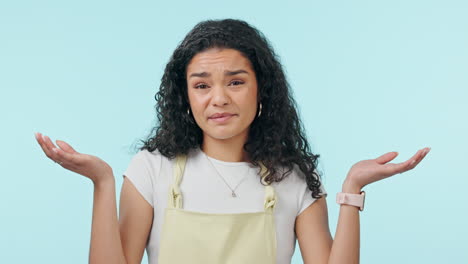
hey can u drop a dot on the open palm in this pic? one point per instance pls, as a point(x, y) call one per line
point(368, 171)
point(87, 165)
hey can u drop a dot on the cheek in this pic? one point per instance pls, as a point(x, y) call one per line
point(249, 108)
point(197, 103)
point(193, 99)
point(252, 101)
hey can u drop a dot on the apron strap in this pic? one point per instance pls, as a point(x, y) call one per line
point(175, 195)
point(270, 194)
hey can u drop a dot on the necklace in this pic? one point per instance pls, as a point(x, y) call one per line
point(233, 190)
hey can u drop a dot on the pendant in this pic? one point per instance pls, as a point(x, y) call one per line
point(234, 194)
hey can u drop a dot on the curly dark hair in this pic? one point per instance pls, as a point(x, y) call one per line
point(276, 138)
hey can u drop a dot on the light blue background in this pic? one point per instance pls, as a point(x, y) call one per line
point(369, 77)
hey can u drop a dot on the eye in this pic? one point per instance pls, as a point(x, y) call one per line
point(200, 86)
point(237, 82)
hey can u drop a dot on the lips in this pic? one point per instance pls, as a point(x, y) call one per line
point(220, 115)
point(221, 118)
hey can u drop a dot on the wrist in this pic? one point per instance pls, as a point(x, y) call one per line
point(105, 182)
point(350, 187)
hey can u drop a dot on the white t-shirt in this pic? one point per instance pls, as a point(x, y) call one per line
point(203, 190)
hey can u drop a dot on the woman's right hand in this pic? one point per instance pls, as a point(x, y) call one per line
point(90, 166)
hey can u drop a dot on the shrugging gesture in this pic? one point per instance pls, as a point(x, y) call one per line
point(368, 171)
point(89, 166)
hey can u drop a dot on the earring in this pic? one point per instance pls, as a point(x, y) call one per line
point(190, 119)
point(260, 112)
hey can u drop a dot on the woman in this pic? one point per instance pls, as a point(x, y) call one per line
point(227, 176)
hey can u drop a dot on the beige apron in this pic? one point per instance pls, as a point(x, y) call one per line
point(202, 238)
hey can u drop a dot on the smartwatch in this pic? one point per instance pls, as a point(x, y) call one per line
point(351, 199)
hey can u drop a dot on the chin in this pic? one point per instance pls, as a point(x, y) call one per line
point(221, 135)
point(223, 132)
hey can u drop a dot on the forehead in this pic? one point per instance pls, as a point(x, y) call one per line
point(218, 58)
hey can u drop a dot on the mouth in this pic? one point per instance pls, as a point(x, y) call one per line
point(222, 119)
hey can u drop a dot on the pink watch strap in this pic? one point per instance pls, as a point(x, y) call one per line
point(351, 199)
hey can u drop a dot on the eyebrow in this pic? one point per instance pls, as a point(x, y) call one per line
point(227, 73)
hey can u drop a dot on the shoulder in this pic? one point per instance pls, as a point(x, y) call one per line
point(155, 158)
point(295, 184)
point(148, 161)
point(295, 176)
point(300, 178)
point(149, 156)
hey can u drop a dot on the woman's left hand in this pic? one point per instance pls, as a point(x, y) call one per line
point(369, 171)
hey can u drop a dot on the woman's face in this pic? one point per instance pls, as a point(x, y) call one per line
point(222, 81)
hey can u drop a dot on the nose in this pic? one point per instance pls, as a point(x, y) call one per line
point(219, 96)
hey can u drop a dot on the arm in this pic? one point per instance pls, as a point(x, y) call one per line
point(108, 245)
point(136, 214)
point(136, 219)
point(313, 233)
point(315, 241)
point(312, 228)
point(347, 236)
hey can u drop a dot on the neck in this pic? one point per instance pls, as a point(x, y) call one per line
point(229, 150)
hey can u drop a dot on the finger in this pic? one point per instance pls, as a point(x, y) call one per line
point(410, 163)
point(419, 158)
point(386, 157)
point(427, 151)
point(41, 143)
point(47, 147)
point(65, 157)
point(65, 146)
